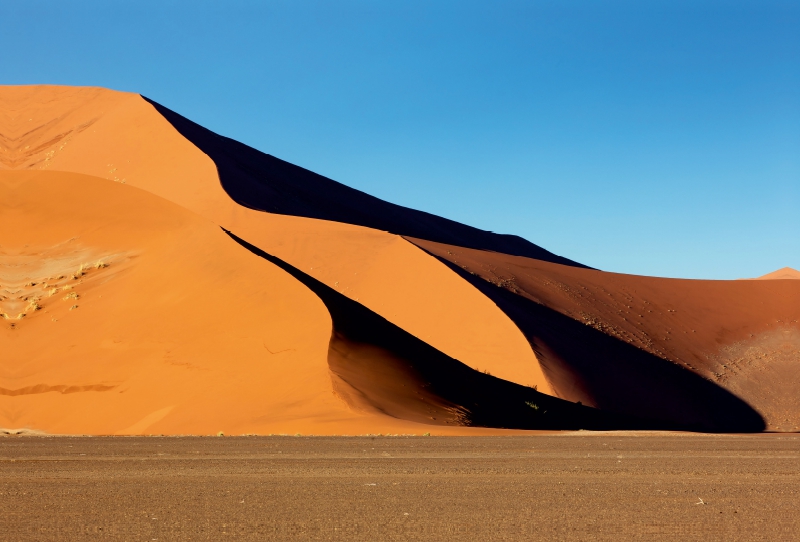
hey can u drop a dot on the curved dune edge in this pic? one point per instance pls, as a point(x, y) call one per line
point(121, 137)
point(717, 354)
point(175, 316)
point(649, 353)
point(179, 331)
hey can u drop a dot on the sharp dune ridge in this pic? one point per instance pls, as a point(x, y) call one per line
point(157, 278)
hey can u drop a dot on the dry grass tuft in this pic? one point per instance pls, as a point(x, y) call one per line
point(33, 305)
point(71, 295)
point(52, 292)
point(80, 272)
point(100, 264)
point(73, 307)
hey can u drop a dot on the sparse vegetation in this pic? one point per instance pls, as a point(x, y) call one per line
point(33, 305)
point(73, 307)
point(534, 406)
point(71, 295)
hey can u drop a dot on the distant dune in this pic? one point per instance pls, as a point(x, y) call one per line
point(156, 277)
point(782, 274)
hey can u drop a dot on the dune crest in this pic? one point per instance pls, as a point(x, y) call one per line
point(156, 277)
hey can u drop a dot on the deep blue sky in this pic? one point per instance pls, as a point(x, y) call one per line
point(658, 138)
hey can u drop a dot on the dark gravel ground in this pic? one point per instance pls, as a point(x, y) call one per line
point(579, 486)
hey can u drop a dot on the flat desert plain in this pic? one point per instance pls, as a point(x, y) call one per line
point(565, 486)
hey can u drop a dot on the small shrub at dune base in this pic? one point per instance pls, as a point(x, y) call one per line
point(426, 434)
point(73, 307)
point(33, 305)
point(71, 295)
point(52, 292)
point(100, 264)
point(220, 434)
point(534, 406)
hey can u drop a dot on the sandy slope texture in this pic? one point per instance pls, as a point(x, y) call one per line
point(785, 273)
point(663, 348)
point(125, 314)
point(121, 137)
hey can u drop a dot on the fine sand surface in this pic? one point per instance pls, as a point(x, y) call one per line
point(578, 486)
point(123, 138)
point(170, 328)
point(685, 351)
point(157, 278)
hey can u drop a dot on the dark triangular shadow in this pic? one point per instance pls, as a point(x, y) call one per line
point(584, 364)
point(262, 182)
point(389, 370)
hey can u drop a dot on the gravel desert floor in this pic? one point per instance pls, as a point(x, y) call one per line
point(569, 486)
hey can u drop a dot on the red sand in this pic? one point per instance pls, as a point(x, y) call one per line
point(219, 338)
point(743, 336)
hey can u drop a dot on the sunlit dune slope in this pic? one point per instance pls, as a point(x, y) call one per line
point(156, 277)
point(127, 314)
point(785, 273)
point(121, 137)
point(681, 350)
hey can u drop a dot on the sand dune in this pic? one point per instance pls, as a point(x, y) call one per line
point(206, 287)
point(121, 137)
point(687, 351)
point(261, 181)
point(784, 273)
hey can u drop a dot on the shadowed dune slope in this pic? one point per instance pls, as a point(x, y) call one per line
point(662, 348)
point(379, 368)
point(122, 138)
point(261, 181)
point(310, 316)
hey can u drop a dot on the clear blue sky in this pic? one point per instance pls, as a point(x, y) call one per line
point(647, 137)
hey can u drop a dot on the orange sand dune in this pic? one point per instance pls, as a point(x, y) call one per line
point(174, 330)
point(121, 137)
point(680, 350)
point(126, 314)
point(782, 274)
point(245, 294)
